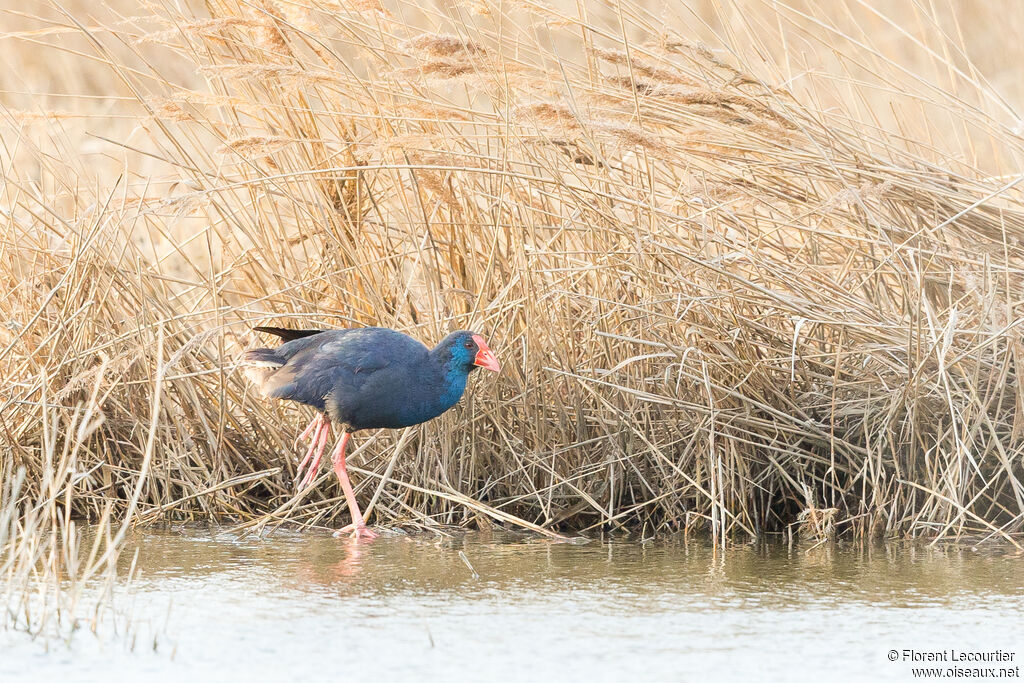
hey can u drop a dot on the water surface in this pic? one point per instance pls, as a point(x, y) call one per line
point(305, 606)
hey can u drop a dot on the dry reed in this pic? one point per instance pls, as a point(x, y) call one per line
point(55, 579)
point(722, 300)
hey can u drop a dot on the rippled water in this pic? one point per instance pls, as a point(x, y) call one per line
point(305, 606)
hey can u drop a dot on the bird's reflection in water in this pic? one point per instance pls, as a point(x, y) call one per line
point(332, 564)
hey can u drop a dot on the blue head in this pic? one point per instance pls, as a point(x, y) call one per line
point(460, 353)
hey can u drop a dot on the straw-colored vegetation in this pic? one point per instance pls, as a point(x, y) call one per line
point(46, 562)
point(753, 266)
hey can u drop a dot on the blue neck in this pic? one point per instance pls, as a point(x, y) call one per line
point(455, 383)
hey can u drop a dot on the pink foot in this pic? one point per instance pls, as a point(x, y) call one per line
point(310, 465)
point(310, 431)
point(356, 532)
point(358, 525)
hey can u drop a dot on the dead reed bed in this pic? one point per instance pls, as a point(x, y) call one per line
point(727, 299)
point(55, 579)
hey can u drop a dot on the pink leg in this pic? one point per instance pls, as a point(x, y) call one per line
point(312, 444)
point(316, 451)
point(314, 425)
point(358, 526)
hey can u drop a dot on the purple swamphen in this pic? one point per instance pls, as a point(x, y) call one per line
point(363, 378)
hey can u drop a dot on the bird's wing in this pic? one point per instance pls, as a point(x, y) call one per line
point(340, 360)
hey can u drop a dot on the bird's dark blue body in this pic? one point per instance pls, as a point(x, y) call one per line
point(368, 378)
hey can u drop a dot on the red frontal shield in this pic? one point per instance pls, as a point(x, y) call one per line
point(485, 357)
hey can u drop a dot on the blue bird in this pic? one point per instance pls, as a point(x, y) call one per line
point(364, 378)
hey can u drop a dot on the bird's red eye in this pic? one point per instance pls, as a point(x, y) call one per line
point(469, 344)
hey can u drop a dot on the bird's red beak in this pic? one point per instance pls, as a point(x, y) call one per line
point(485, 357)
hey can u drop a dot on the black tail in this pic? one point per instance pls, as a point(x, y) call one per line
point(286, 334)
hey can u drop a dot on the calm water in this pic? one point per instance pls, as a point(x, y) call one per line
point(305, 606)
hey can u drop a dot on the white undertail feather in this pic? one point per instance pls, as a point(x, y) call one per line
point(259, 364)
point(263, 364)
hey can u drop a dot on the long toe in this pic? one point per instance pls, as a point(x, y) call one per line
point(314, 467)
point(313, 456)
point(300, 472)
point(311, 430)
point(356, 532)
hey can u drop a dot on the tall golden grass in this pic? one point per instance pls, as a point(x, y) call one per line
point(733, 287)
point(47, 563)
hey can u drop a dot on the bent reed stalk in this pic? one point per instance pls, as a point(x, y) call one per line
point(722, 303)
